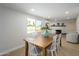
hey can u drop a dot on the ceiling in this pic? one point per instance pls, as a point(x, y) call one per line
point(51, 11)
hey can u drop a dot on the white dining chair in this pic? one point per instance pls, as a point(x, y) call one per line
point(33, 51)
point(55, 46)
point(52, 47)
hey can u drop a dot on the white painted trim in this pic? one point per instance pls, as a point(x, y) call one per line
point(10, 50)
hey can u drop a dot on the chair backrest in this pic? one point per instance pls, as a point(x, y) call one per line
point(55, 37)
point(56, 41)
point(59, 38)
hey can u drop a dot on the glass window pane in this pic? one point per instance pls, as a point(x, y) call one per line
point(30, 25)
point(38, 25)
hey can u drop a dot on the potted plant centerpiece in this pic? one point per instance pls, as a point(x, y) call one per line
point(45, 30)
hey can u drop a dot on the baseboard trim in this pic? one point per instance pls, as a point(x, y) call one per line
point(10, 50)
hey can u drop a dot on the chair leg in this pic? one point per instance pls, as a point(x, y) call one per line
point(57, 51)
point(54, 53)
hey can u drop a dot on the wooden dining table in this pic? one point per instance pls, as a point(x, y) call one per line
point(39, 41)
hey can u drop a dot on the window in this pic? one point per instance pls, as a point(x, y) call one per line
point(33, 25)
point(38, 26)
point(30, 25)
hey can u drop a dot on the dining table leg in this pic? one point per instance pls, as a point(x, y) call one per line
point(26, 48)
point(44, 52)
point(61, 43)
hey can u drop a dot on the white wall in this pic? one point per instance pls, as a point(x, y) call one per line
point(13, 26)
point(77, 24)
point(12, 29)
point(0, 29)
point(71, 26)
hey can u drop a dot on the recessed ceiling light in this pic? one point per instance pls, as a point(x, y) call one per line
point(32, 9)
point(66, 12)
